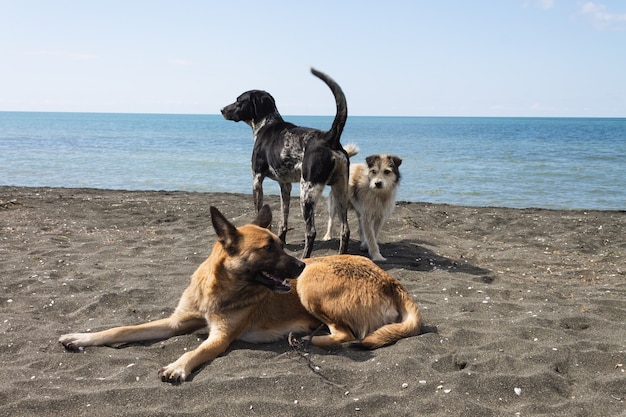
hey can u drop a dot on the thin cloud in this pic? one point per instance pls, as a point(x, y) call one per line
point(603, 19)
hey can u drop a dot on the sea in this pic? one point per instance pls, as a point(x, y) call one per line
point(552, 163)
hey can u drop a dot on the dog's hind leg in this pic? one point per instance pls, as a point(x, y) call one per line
point(345, 229)
point(340, 201)
point(285, 198)
point(337, 335)
point(309, 194)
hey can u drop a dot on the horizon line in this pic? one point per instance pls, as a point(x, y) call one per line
point(319, 115)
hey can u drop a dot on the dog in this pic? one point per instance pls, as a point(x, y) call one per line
point(372, 191)
point(358, 302)
point(288, 153)
point(244, 290)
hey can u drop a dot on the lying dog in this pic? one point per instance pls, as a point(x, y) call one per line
point(241, 292)
point(372, 188)
point(288, 153)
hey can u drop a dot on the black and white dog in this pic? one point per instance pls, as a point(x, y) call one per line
point(288, 153)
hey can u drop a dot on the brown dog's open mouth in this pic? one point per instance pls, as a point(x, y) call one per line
point(273, 282)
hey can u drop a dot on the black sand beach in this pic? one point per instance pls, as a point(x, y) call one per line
point(524, 312)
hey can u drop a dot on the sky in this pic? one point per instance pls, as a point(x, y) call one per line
point(527, 58)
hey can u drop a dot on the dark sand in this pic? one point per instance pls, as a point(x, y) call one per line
point(525, 312)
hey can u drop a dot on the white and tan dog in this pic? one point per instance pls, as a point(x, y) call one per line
point(372, 187)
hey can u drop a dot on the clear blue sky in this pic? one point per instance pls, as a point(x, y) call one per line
point(399, 58)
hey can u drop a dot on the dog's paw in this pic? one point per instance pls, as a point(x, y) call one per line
point(293, 340)
point(75, 342)
point(377, 257)
point(327, 237)
point(172, 374)
point(298, 343)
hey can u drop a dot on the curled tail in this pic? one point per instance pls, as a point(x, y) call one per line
point(334, 134)
point(351, 149)
point(388, 334)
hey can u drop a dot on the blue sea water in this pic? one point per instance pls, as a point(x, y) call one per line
point(560, 163)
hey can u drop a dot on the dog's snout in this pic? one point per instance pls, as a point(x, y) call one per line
point(297, 267)
point(228, 113)
point(299, 264)
point(378, 184)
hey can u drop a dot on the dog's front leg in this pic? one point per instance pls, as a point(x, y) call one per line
point(369, 235)
point(285, 198)
point(363, 242)
point(338, 205)
point(329, 228)
point(221, 335)
point(331, 216)
point(154, 330)
point(257, 190)
point(210, 349)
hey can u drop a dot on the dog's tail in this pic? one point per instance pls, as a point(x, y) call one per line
point(334, 134)
point(410, 325)
point(351, 149)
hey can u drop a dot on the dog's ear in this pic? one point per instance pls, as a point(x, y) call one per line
point(264, 218)
point(371, 160)
point(263, 104)
point(227, 234)
point(396, 160)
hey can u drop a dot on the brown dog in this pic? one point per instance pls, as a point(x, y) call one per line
point(357, 300)
point(241, 292)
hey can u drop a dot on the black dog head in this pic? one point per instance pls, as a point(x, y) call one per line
point(251, 106)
